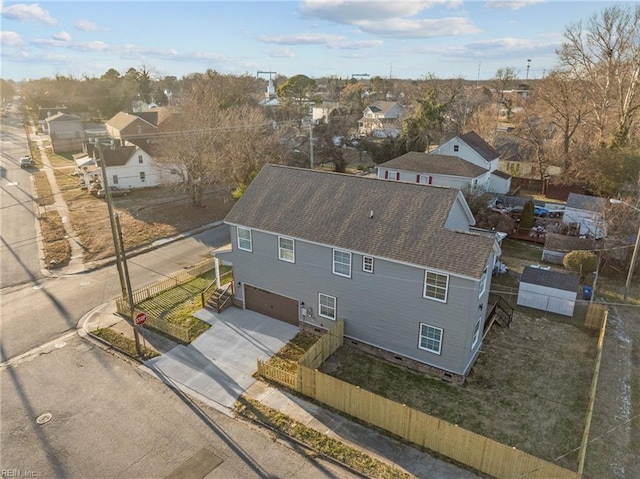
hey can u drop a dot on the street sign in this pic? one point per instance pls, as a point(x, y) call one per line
point(140, 319)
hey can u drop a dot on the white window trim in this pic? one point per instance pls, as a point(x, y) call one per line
point(364, 264)
point(424, 288)
point(476, 333)
point(250, 249)
point(420, 335)
point(333, 262)
point(281, 249)
point(483, 281)
point(335, 306)
point(424, 179)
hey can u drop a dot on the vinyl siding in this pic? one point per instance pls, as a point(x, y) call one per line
point(383, 309)
point(457, 219)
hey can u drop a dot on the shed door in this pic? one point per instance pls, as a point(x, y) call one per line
point(271, 304)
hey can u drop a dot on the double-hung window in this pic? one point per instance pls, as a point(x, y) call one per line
point(286, 249)
point(244, 239)
point(436, 286)
point(430, 338)
point(367, 264)
point(483, 281)
point(327, 306)
point(476, 333)
point(342, 263)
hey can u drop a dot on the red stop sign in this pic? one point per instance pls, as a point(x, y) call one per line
point(140, 319)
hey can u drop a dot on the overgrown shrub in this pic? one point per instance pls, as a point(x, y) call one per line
point(527, 219)
point(582, 262)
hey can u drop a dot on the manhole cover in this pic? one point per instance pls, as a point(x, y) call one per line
point(44, 418)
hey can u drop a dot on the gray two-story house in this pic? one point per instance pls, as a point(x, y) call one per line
point(394, 260)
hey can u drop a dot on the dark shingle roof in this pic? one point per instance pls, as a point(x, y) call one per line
point(586, 203)
point(551, 279)
point(118, 156)
point(334, 209)
point(435, 164)
point(476, 142)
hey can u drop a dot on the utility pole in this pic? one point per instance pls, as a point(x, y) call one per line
point(107, 195)
point(528, 65)
point(311, 145)
point(118, 244)
point(125, 269)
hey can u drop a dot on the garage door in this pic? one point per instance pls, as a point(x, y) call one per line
point(271, 304)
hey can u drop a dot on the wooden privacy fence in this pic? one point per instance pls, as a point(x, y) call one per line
point(479, 452)
point(466, 447)
point(596, 316)
point(158, 287)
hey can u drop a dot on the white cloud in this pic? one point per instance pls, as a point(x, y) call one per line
point(425, 28)
point(28, 13)
point(11, 39)
point(87, 26)
point(389, 18)
point(281, 53)
point(358, 44)
point(301, 39)
point(62, 36)
point(512, 4)
point(496, 48)
point(353, 11)
point(95, 46)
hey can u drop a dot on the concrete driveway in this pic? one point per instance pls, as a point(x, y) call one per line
point(219, 364)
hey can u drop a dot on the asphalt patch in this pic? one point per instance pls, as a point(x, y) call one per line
point(197, 466)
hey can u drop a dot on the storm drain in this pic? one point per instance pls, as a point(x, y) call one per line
point(197, 466)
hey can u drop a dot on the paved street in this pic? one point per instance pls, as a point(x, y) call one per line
point(108, 419)
point(18, 246)
point(35, 313)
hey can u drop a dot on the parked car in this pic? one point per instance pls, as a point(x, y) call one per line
point(115, 191)
point(537, 211)
point(26, 162)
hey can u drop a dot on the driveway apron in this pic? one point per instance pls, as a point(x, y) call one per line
point(220, 363)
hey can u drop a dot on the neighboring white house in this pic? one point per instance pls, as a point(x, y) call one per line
point(546, 290)
point(382, 119)
point(431, 169)
point(472, 148)
point(585, 215)
point(132, 167)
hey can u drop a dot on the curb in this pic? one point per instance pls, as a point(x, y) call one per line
point(138, 251)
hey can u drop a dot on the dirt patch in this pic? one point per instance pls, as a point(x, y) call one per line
point(57, 251)
point(43, 189)
point(287, 357)
point(145, 216)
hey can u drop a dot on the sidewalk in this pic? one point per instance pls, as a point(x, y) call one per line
point(372, 443)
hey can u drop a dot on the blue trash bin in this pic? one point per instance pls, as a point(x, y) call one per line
point(587, 292)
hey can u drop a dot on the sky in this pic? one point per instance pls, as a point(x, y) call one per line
point(388, 38)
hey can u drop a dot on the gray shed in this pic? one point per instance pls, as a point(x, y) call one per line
point(546, 290)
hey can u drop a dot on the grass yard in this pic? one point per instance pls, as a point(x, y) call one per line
point(528, 389)
point(121, 342)
point(178, 304)
point(288, 356)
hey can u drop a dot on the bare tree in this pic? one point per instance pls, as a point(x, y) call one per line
point(605, 51)
point(563, 100)
point(219, 136)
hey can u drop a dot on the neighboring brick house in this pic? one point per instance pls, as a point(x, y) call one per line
point(66, 132)
point(472, 148)
point(433, 169)
point(381, 119)
point(395, 260)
